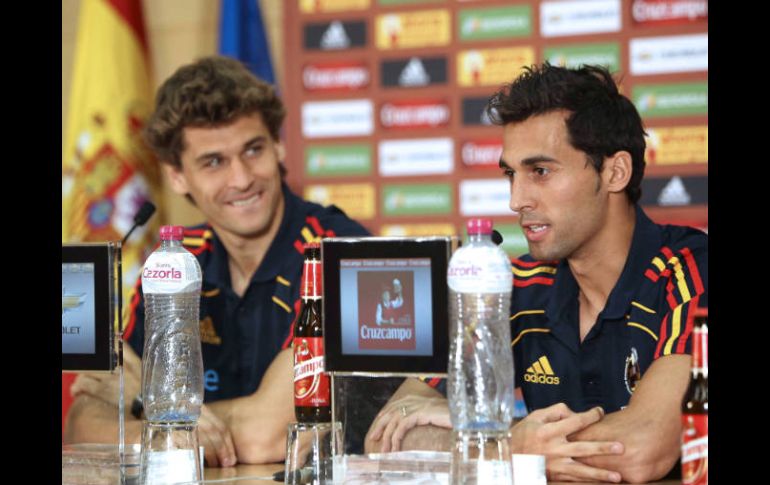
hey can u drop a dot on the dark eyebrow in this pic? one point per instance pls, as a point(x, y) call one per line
point(208, 155)
point(256, 139)
point(529, 161)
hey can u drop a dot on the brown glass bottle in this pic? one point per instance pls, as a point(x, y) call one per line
point(311, 384)
point(695, 409)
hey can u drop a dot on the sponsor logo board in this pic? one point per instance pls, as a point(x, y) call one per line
point(495, 23)
point(417, 199)
point(679, 144)
point(485, 197)
point(423, 28)
point(357, 200)
point(668, 12)
point(576, 55)
point(414, 114)
point(413, 72)
point(670, 54)
point(579, 17)
point(492, 67)
point(671, 99)
point(334, 35)
point(322, 119)
point(335, 76)
point(423, 156)
point(338, 160)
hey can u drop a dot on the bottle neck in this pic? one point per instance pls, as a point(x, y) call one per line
point(310, 288)
point(476, 237)
point(170, 243)
point(700, 357)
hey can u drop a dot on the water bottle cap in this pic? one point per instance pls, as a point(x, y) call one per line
point(171, 233)
point(479, 225)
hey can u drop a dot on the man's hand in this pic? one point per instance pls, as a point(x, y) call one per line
point(546, 432)
point(402, 414)
point(216, 439)
point(107, 386)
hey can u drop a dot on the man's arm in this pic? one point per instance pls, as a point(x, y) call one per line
point(258, 422)
point(426, 425)
point(419, 415)
point(93, 417)
point(649, 427)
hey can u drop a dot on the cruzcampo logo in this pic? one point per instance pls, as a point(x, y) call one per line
point(672, 99)
point(334, 160)
point(495, 23)
point(514, 241)
point(574, 56)
point(401, 200)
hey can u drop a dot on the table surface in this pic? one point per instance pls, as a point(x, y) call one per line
point(266, 472)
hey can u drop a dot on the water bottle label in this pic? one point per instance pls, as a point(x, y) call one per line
point(168, 273)
point(479, 271)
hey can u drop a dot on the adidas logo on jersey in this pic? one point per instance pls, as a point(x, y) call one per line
point(540, 372)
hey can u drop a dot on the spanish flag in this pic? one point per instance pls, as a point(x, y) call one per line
point(107, 170)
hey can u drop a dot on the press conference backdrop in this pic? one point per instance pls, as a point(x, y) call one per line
point(386, 101)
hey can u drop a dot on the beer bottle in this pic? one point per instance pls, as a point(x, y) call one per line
point(695, 408)
point(311, 384)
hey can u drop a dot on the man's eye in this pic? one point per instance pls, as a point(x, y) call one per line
point(542, 171)
point(253, 151)
point(508, 173)
point(213, 162)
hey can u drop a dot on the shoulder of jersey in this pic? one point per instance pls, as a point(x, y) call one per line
point(681, 263)
point(531, 273)
point(198, 239)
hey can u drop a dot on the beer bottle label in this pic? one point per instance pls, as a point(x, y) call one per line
point(311, 385)
point(695, 449)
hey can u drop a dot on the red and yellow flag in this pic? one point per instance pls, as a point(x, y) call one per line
point(107, 170)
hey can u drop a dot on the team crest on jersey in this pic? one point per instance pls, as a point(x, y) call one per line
point(632, 371)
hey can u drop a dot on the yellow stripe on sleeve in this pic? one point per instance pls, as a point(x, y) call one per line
point(309, 237)
point(676, 324)
point(681, 281)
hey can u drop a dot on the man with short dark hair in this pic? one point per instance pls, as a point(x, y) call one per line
point(216, 130)
point(602, 307)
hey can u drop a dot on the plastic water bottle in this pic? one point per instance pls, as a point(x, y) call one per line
point(480, 357)
point(480, 387)
point(172, 366)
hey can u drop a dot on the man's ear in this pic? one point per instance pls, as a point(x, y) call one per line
point(617, 172)
point(280, 151)
point(176, 178)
